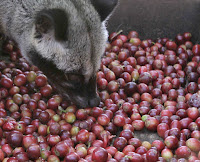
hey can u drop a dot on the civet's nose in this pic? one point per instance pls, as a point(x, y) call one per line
point(94, 101)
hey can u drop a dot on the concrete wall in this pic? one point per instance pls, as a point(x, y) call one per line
point(157, 18)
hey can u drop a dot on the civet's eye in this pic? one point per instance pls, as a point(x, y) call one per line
point(74, 78)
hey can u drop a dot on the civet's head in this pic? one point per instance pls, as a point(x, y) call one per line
point(67, 43)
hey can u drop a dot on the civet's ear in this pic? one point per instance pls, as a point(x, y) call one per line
point(104, 7)
point(52, 20)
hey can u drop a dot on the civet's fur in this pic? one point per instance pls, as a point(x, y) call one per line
point(64, 38)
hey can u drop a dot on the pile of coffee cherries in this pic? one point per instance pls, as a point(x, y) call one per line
point(143, 84)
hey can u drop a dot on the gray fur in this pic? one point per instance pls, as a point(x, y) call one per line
point(81, 51)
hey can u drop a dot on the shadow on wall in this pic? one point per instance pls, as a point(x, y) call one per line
point(157, 18)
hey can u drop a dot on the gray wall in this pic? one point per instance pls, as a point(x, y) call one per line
point(157, 18)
